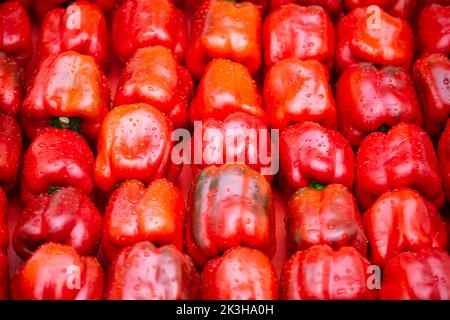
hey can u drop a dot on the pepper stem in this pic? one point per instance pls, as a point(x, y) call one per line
point(52, 190)
point(317, 185)
point(66, 123)
point(384, 128)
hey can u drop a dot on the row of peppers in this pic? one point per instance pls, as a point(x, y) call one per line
point(228, 227)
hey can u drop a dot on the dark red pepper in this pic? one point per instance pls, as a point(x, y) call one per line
point(11, 86)
point(10, 150)
point(433, 30)
point(443, 152)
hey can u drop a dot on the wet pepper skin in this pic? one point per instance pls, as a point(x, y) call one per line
point(241, 273)
point(405, 9)
point(226, 141)
point(42, 7)
point(225, 29)
point(324, 215)
point(299, 32)
point(57, 158)
point(134, 143)
point(145, 272)
point(4, 242)
point(15, 31)
point(311, 153)
point(67, 216)
point(296, 91)
point(417, 276)
point(368, 98)
point(80, 27)
point(153, 76)
point(11, 86)
point(433, 30)
point(402, 220)
point(229, 206)
point(361, 36)
point(319, 273)
point(136, 213)
point(443, 152)
point(51, 274)
point(403, 157)
point(432, 77)
point(142, 23)
point(10, 150)
point(333, 7)
point(67, 85)
point(226, 87)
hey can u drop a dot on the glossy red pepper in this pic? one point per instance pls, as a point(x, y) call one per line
point(4, 233)
point(299, 32)
point(57, 158)
point(370, 34)
point(80, 27)
point(4, 276)
point(15, 31)
point(66, 216)
point(417, 276)
point(226, 87)
point(240, 137)
point(368, 98)
point(311, 153)
point(57, 272)
point(319, 273)
point(42, 7)
point(405, 9)
point(402, 157)
point(443, 152)
point(195, 4)
point(68, 91)
point(333, 7)
point(225, 29)
point(10, 150)
point(134, 143)
point(11, 86)
point(433, 30)
point(241, 273)
point(402, 220)
point(324, 215)
point(432, 77)
point(153, 76)
point(296, 91)
point(142, 23)
point(136, 213)
point(229, 206)
point(144, 272)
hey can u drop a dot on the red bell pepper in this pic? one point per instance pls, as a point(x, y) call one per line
point(226, 87)
point(240, 137)
point(144, 272)
point(11, 86)
point(80, 27)
point(432, 77)
point(296, 91)
point(370, 34)
point(10, 150)
point(405, 9)
point(402, 220)
point(66, 216)
point(68, 91)
point(319, 273)
point(142, 23)
point(324, 215)
point(15, 31)
point(368, 99)
point(57, 158)
point(443, 152)
point(57, 272)
point(402, 157)
point(136, 213)
point(4, 234)
point(42, 7)
point(229, 206)
point(4, 276)
point(195, 4)
point(333, 7)
point(225, 29)
point(311, 153)
point(240, 273)
point(417, 276)
point(153, 76)
point(299, 32)
point(134, 143)
point(433, 30)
